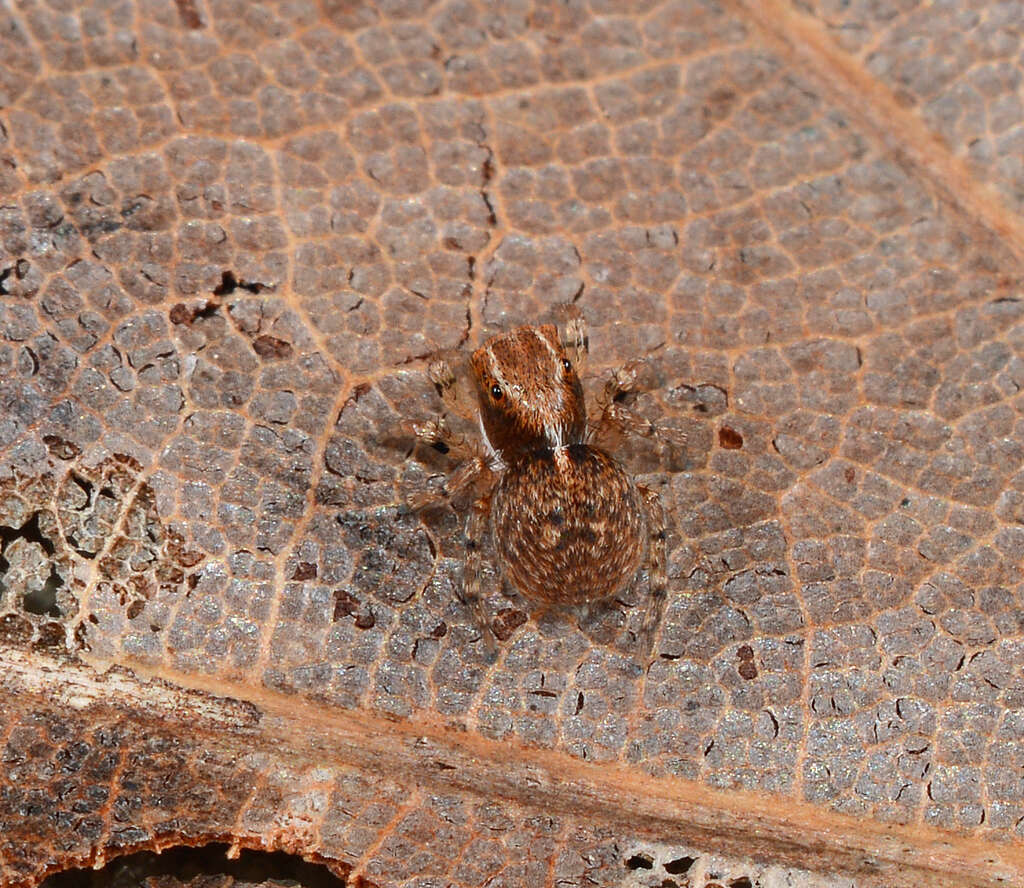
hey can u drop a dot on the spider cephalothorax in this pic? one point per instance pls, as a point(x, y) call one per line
point(529, 393)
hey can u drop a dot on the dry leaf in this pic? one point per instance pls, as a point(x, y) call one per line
point(232, 236)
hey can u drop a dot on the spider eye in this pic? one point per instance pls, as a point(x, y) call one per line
point(496, 392)
point(567, 364)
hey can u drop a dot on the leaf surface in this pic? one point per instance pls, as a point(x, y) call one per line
point(233, 235)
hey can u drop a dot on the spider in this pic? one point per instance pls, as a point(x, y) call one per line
point(569, 526)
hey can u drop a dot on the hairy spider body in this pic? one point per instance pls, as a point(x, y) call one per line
point(530, 395)
point(569, 525)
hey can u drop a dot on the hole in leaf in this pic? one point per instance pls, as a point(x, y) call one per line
point(640, 861)
point(206, 865)
point(680, 865)
point(43, 602)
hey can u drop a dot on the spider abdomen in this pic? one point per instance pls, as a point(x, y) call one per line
point(569, 525)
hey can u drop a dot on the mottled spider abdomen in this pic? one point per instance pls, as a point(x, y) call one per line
point(569, 526)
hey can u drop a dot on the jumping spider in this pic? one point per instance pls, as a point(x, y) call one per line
point(570, 526)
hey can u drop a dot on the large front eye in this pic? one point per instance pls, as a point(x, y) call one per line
point(567, 364)
point(496, 392)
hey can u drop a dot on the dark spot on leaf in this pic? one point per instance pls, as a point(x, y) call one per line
point(345, 604)
point(179, 313)
point(506, 622)
point(304, 570)
point(51, 635)
point(361, 389)
point(184, 314)
point(270, 348)
point(188, 14)
point(729, 439)
point(229, 283)
point(61, 447)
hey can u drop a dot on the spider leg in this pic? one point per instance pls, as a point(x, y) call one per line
point(573, 334)
point(437, 434)
point(476, 523)
point(474, 474)
point(656, 566)
point(613, 415)
point(463, 478)
point(457, 396)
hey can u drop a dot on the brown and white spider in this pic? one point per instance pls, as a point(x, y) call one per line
point(570, 527)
